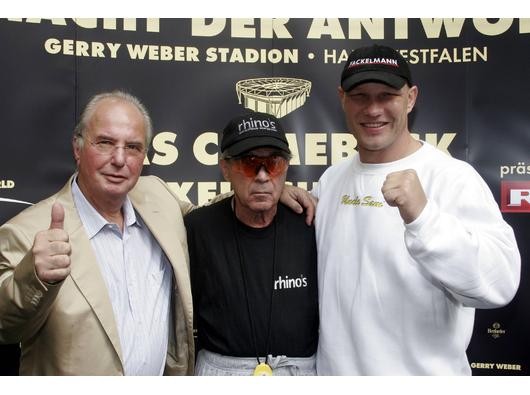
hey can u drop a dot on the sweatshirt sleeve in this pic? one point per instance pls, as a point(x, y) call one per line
point(462, 241)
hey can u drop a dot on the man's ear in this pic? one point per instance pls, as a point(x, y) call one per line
point(341, 94)
point(225, 169)
point(412, 96)
point(76, 149)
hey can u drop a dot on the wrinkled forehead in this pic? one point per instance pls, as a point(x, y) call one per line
point(117, 116)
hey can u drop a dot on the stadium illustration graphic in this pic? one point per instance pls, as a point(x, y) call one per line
point(276, 96)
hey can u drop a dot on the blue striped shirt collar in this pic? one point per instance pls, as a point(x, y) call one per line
point(92, 220)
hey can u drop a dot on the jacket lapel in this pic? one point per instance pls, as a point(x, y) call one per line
point(85, 270)
point(163, 227)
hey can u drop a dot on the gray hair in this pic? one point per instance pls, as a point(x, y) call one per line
point(86, 115)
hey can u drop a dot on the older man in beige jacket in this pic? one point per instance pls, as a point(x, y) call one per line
point(63, 295)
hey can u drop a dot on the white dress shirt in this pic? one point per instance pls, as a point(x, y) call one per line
point(138, 277)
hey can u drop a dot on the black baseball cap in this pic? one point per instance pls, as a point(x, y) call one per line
point(253, 130)
point(376, 63)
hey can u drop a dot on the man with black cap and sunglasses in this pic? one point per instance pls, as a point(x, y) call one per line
point(410, 241)
point(253, 263)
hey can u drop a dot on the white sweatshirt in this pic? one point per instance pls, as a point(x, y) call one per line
point(399, 299)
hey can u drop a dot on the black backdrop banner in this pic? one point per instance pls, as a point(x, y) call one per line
point(195, 74)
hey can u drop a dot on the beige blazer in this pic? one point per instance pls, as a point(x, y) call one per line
point(69, 329)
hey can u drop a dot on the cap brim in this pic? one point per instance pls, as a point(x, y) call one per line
point(256, 142)
point(392, 80)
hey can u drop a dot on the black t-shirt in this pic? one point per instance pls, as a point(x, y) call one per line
point(219, 297)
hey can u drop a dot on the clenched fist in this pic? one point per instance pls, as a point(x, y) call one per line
point(402, 189)
point(51, 249)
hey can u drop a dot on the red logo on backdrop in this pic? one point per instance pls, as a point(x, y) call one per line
point(515, 196)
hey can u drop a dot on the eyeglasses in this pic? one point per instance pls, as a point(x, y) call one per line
point(108, 147)
point(250, 165)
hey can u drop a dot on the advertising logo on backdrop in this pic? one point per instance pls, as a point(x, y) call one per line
point(276, 96)
point(267, 28)
point(7, 184)
point(515, 192)
point(496, 331)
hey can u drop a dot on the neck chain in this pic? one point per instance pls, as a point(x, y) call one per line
point(243, 267)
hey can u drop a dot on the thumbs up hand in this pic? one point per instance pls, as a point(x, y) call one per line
point(51, 249)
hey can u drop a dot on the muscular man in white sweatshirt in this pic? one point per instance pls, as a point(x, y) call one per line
point(410, 241)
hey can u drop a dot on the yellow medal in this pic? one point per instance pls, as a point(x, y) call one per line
point(262, 370)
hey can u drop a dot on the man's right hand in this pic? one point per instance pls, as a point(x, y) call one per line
point(51, 249)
